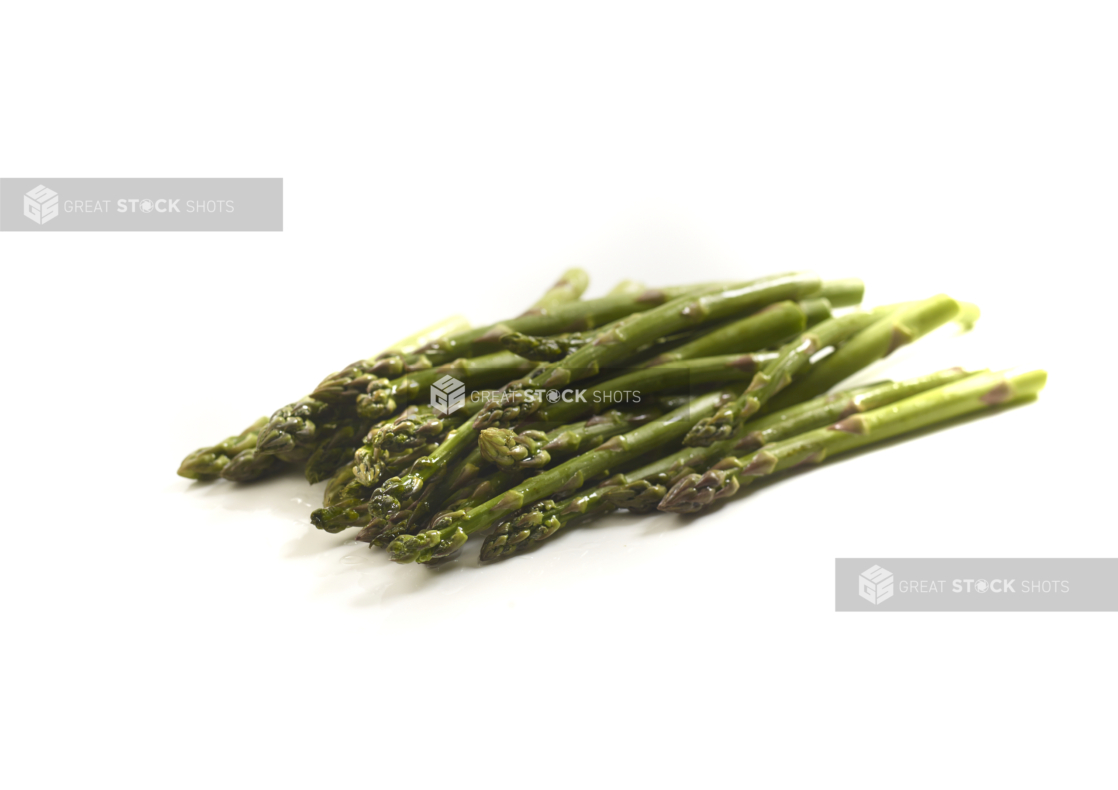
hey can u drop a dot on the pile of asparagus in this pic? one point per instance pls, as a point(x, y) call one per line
point(667, 399)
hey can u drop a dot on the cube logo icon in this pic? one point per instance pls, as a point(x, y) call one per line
point(40, 205)
point(876, 585)
point(448, 394)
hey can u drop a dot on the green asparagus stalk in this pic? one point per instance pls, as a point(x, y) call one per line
point(249, 465)
point(775, 376)
point(550, 348)
point(399, 493)
point(842, 293)
point(534, 449)
point(880, 339)
point(971, 394)
point(294, 426)
point(541, 520)
point(966, 318)
point(752, 333)
point(372, 462)
point(511, 450)
point(352, 381)
point(384, 397)
point(457, 484)
point(570, 286)
point(344, 386)
point(206, 463)
point(430, 506)
point(415, 426)
point(337, 449)
point(572, 317)
point(341, 516)
point(336, 486)
point(815, 311)
point(826, 409)
point(451, 530)
point(545, 349)
point(344, 503)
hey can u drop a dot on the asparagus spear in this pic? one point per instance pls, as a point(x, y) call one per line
point(815, 310)
point(372, 462)
point(206, 463)
point(293, 426)
point(971, 394)
point(888, 333)
point(550, 348)
point(542, 520)
point(776, 375)
point(450, 531)
point(341, 516)
point(336, 449)
point(459, 483)
point(571, 317)
point(249, 465)
point(415, 426)
point(352, 381)
point(336, 486)
point(967, 316)
point(343, 504)
point(383, 397)
point(511, 450)
point(841, 293)
point(399, 493)
point(752, 333)
point(402, 357)
point(533, 449)
point(568, 288)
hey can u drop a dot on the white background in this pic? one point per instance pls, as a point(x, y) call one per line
point(453, 158)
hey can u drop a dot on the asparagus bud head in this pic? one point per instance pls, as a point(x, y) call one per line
point(416, 426)
point(378, 401)
point(695, 492)
point(248, 465)
point(532, 524)
point(640, 496)
point(429, 545)
point(542, 349)
point(510, 450)
point(291, 427)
